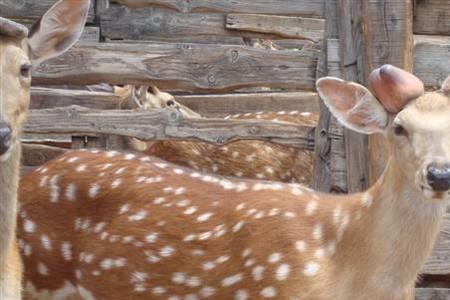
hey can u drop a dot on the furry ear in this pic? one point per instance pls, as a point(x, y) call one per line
point(353, 105)
point(58, 29)
point(445, 87)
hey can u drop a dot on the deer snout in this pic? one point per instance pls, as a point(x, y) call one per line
point(438, 176)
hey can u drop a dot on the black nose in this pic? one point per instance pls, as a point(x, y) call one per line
point(438, 176)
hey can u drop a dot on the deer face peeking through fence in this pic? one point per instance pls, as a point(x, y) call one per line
point(247, 159)
point(57, 30)
point(105, 225)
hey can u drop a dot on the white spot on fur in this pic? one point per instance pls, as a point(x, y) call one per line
point(311, 269)
point(268, 292)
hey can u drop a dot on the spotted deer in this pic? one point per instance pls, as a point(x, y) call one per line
point(59, 28)
point(105, 225)
point(249, 159)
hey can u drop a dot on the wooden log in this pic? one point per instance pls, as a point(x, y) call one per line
point(214, 105)
point(432, 59)
point(439, 261)
point(432, 294)
point(276, 7)
point(432, 17)
point(321, 180)
point(164, 124)
point(289, 27)
point(181, 66)
point(31, 9)
point(36, 155)
point(48, 98)
point(388, 39)
point(159, 24)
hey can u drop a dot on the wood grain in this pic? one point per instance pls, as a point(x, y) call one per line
point(276, 7)
point(388, 39)
point(31, 9)
point(432, 294)
point(432, 59)
point(181, 66)
point(163, 125)
point(432, 17)
point(36, 155)
point(288, 27)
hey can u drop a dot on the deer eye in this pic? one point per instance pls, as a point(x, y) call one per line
point(25, 70)
point(399, 130)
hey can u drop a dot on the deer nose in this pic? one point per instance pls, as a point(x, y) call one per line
point(5, 137)
point(438, 176)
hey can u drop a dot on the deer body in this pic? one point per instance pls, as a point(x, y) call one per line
point(19, 52)
point(160, 231)
point(247, 159)
point(105, 225)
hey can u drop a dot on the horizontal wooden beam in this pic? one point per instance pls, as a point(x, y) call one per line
point(181, 66)
point(163, 125)
point(432, 59)
point(26, 10)
point(282, 26)
point(276, 7)
point(432, 17)
point(432, 294)
point(211, 105)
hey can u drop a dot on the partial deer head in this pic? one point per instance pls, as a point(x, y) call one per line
point(416, 123)
point(54, 33)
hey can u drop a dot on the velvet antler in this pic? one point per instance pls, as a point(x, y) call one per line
point(394, 87)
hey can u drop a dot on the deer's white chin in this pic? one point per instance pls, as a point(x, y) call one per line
point(435, 196)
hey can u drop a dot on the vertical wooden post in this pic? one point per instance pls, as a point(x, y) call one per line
point(388, 37)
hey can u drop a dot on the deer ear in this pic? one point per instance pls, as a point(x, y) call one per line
point(445, 88)
point(353, 105)
point(58, 29)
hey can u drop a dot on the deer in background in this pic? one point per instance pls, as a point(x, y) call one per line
point(57, 31)
point(249, 159)
point(111, 226)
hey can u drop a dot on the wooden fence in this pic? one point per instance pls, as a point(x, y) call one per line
point(204, 52)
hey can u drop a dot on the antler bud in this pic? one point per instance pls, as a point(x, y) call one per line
point(394, 87)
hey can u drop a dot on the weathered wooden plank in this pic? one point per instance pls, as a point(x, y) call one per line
point(218, 105)
point(163, 125)
point(36, 155)
point(321, 180)
point(276, 7)
point(388, 39)
point(432, 17)
point(31, 9)
point(432, 294)
point(221, 105)
point(48, 98)
point(181, 66)
point(432, 59)
point(289, 27)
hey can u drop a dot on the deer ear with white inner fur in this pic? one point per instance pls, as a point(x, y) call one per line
point(353, 105)
point(58, 29)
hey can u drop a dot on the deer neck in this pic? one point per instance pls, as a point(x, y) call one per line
point(9, 178)
point(395, 234)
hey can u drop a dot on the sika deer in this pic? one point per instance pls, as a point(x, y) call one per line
point(56, 32)
point(104, 225)
point(249, 159)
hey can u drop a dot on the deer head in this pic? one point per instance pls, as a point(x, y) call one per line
point(52, 35)
point(416, 123)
